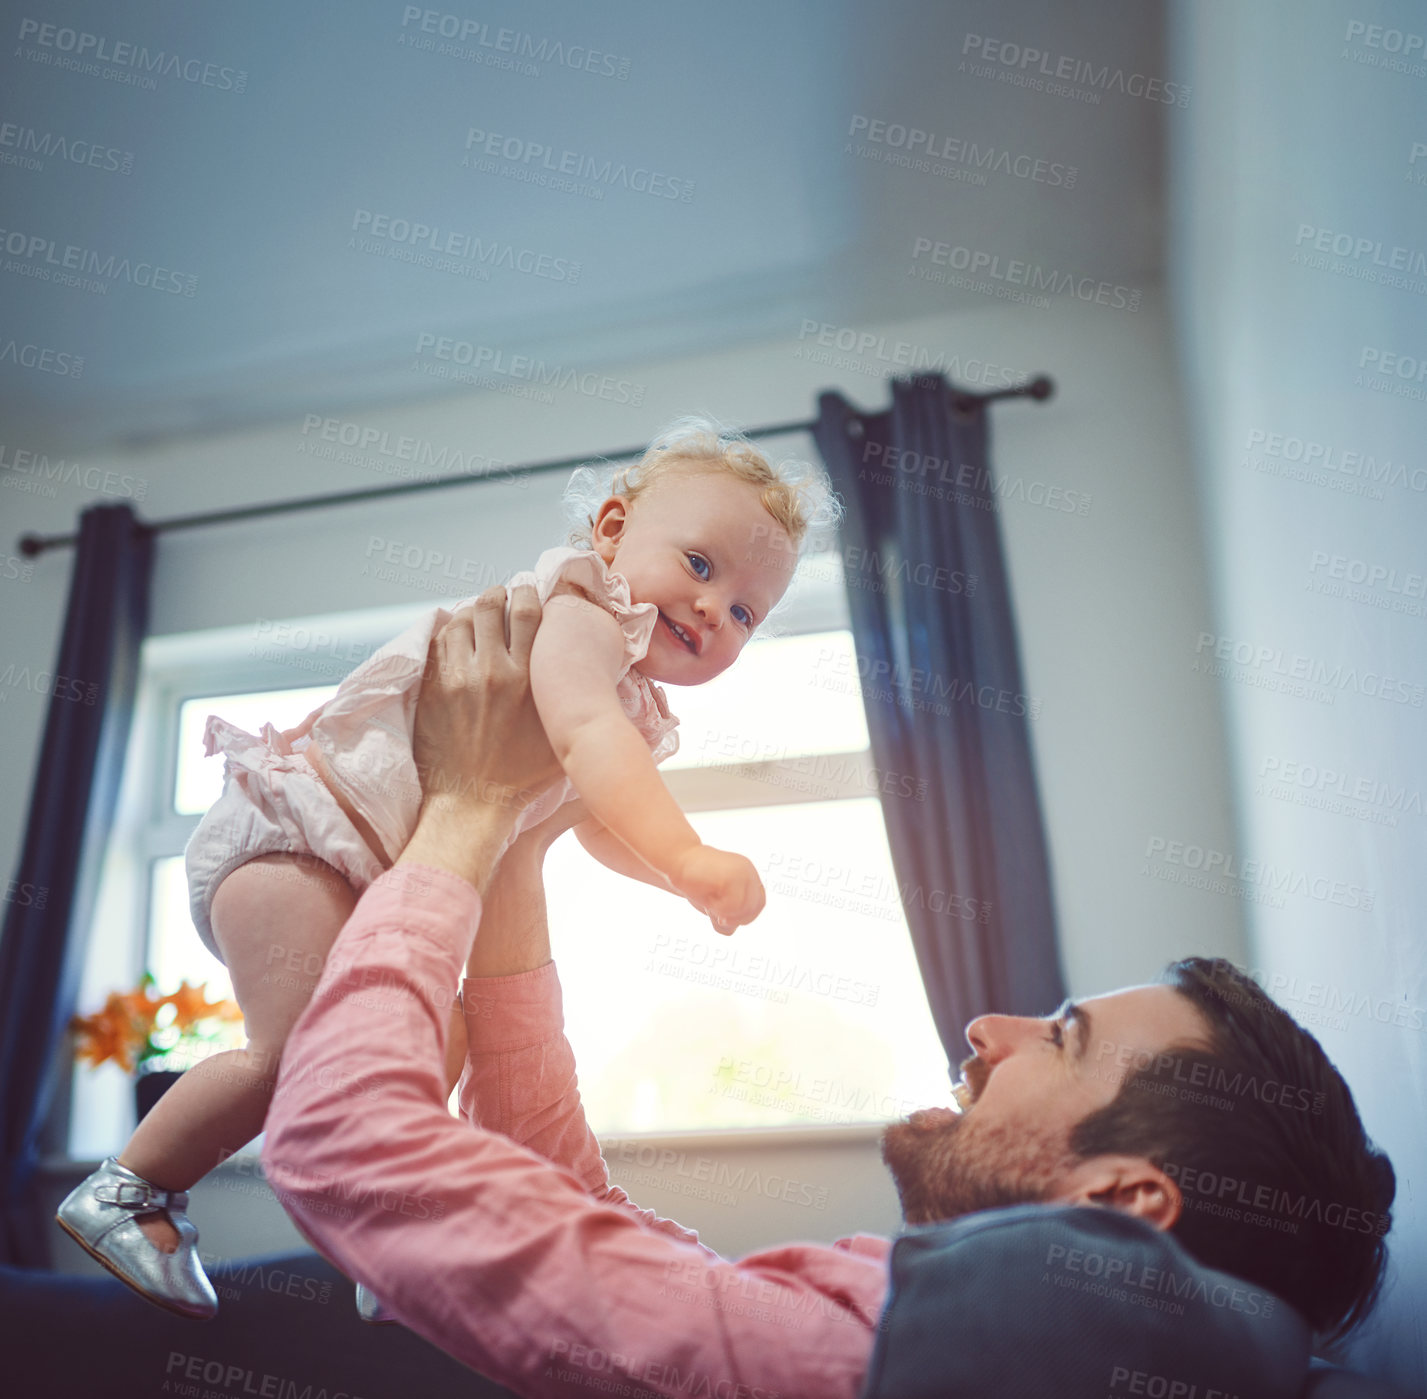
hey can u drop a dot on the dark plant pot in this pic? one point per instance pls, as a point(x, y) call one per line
point(150, 1087)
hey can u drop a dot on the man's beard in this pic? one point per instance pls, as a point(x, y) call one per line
point(947, 1168)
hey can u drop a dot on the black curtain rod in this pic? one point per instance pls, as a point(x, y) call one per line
point(32, 544)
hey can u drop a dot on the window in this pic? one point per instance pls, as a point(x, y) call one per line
point(174, 951)
point(813, 1015)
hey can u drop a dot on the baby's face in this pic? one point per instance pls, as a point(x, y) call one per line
point(701, 547)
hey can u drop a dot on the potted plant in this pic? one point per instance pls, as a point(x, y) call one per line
point(155, 1037)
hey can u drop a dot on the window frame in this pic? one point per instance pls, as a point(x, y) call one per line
point(228, 661)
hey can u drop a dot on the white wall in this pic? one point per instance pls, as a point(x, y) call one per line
point(1295, 123)
point(1109, 601)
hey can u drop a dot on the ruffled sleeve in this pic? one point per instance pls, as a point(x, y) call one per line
point(587, 571)
point(643, 702)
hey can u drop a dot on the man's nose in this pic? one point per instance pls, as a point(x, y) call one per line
point(993, 1037)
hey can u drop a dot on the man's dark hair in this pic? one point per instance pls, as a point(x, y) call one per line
point(1280, 1183)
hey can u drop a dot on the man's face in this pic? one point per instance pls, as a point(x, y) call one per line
point(1027, 1084)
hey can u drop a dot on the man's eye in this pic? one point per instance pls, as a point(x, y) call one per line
point(1057, 1037)
point(699, 564)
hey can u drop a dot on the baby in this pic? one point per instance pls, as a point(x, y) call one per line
point(670, 577)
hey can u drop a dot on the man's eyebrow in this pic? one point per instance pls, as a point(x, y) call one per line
point(1079, 1020)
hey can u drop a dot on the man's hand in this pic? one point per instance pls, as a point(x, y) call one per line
point(479, 745)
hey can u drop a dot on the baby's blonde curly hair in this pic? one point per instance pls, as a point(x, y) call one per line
point(795, 493)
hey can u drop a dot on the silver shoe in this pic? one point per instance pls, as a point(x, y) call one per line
point(370, 1309)
point(100, 1214)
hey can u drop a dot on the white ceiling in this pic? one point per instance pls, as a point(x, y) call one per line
point(255, 194)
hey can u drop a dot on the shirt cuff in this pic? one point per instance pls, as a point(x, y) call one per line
point(515, 1012)
point(430, 900)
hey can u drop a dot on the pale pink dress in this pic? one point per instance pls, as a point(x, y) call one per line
point(274, 801)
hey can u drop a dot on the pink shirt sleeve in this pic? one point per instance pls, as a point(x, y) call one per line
point(496, 1252)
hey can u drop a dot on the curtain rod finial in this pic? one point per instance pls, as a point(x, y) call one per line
point(30, 545)
point(1041, 387)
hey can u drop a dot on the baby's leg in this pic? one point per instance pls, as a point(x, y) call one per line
point(274, 918)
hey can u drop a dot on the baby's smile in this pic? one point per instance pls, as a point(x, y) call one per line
point(682, 634)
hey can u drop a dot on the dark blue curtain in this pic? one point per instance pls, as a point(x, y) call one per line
point(946, 706)
point(52, 896)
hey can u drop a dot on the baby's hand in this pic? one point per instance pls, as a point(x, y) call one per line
point(723, 885)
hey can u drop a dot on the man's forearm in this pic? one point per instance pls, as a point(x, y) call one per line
point(514, 935)
point(460, 835)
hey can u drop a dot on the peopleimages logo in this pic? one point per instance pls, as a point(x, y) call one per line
point(453, 249)
point(1360, 258)
point(1367, 581)
point(475, 41)
point(29, 148)
point(1277, 879)
point(24, 466)
point(1035, 66)
point(1378, 47)
point(1213, 1078)
point(397, 454)
point(487, 150)
point(1274, 1200)
point(1394, 257)
point(44, 358)
point(1004, 272)
point(1144, 1286)
point(956, 150)
point(900, 356)
point(1350, 791)
point(1314, 456)
point(43, 259)
point(1215, 653)
point(493, 363)
point(83, 52)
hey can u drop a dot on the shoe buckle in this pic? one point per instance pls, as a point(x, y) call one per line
point(131, 1195)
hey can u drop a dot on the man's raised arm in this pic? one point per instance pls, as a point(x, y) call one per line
point(520, 1070)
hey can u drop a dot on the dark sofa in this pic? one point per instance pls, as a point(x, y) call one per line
point(290, 1316)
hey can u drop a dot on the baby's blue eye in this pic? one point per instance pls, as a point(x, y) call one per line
point(701, 565)
point(742, 615)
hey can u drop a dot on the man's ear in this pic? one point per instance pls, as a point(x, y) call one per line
point(1132, 1184)
point(609, 525)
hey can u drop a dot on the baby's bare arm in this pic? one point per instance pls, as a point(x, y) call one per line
point(614, 854)
point(574, 668)
point(578, 653)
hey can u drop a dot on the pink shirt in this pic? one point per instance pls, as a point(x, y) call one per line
point(497, 1236)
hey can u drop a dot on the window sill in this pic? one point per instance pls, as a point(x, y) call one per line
point(815, 1136)
point(737, 1138)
